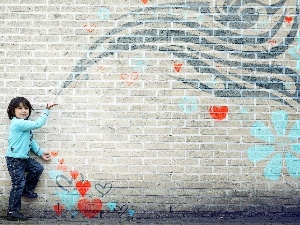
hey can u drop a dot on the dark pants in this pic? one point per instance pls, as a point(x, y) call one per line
point(20, 183)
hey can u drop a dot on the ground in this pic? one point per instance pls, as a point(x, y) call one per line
point(255, 220)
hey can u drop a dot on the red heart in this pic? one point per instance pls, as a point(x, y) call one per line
point(177, 67)
point(58, 209)
point(144, 1)
point(54, 153)
point(272, 42)
point(130, 78)
point(91, 28)
point(90, 208)
point(218, 112)
point(83, 187)
point(62, 167)
point(288, 19)
point(74, 174)
point(101, 68)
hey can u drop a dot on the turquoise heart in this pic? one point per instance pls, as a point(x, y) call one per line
point(103, 13)
point(130, 212)
point(54, 173)
point(69, 199)
point(111, 205)
point(74, 214)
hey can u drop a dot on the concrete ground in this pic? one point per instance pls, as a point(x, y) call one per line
point(167, 221)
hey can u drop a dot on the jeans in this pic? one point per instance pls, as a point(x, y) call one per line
point(20, 183)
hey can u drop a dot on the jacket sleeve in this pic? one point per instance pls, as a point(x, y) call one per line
point(27, 125)
point(35, 148)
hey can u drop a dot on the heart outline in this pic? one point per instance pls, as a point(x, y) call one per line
point(103, 188)
point(64, 178)
point(128, 78)
point(91, 28)
point(120, 212)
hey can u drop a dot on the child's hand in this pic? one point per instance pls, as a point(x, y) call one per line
point(46, 156)
point(49, 105)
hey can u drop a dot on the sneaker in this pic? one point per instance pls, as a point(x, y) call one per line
point(30, 194)
point(15, 216)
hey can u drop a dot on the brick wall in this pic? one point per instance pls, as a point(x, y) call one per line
point(163, 105)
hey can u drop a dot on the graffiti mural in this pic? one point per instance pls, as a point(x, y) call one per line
point(250, 36)
point(259, 45)
point(73, 194)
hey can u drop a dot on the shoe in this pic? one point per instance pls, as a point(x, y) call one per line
point(15, 216)
point(30, 194)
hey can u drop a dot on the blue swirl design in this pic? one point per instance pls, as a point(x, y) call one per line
point(249, 74)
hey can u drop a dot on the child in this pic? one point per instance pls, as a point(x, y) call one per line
point(20, 142)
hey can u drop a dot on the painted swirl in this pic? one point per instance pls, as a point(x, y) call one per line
point(253, 35)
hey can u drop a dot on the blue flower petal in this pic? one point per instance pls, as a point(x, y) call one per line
point(262, 132)
point(293, 165)
point(279, 121)
point(295, 131)
point(259, 152)
point(296, 148)
point(273, 169)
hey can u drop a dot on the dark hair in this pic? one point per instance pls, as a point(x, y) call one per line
point(14, 103)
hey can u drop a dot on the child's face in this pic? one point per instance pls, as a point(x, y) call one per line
point(22, 111)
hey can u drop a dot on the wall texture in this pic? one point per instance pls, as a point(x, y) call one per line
point(163, 105)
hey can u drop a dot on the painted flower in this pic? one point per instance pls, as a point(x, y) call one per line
point(188, 104)
point(280, 148)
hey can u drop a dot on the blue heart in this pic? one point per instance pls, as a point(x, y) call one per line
point(103, 13)
point(54, 173)
point(130, 212)
point(74, 214)
point(69, 199)
point(111, 205)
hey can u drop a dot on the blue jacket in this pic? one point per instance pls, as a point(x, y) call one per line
point(20, 138)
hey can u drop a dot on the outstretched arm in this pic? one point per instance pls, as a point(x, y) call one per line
point(46, 155)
